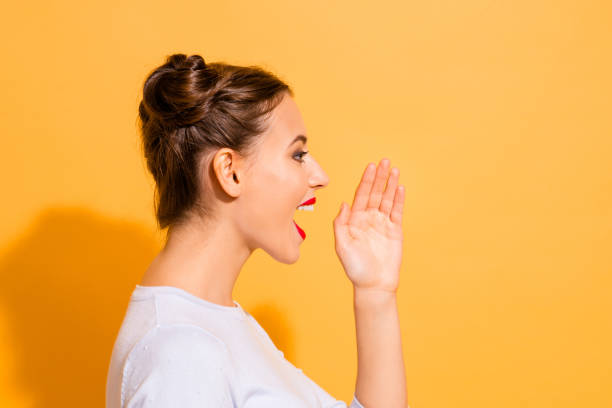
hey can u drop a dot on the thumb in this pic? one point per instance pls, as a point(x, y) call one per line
point(343, 215)
point(344, 212)
point(341, 235)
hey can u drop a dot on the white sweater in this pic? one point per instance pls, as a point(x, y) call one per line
point(176, 350)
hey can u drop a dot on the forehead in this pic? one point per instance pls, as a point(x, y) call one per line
point(285, 123)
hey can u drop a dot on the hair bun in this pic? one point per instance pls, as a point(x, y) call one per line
point(182, 62)
point(172, 92)
point(189, 110)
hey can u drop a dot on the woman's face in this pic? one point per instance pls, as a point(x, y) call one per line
point(280, 178)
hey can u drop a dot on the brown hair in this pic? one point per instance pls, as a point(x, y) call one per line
point(189, 109)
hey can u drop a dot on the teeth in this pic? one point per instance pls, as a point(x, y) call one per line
point(306, 207)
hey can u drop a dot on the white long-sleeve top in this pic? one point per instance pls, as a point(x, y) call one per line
point(175, 349)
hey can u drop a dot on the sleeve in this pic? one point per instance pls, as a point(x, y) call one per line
point(355, 403)
point(323, 396)
point(326, 399)
point(177, 366)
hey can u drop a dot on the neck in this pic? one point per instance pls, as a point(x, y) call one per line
point(203, 259)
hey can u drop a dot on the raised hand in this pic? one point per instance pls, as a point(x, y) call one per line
point(368, 236)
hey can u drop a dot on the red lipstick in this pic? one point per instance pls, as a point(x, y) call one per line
point(301, 231)
point(310, 201)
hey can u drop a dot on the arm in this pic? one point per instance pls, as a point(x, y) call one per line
point(368, 241)
point(381, 380)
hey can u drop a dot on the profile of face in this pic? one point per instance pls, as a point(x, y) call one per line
point(279, 178)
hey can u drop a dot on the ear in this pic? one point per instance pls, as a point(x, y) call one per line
point(227, 166)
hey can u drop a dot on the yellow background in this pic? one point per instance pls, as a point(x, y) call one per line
point(498, 115)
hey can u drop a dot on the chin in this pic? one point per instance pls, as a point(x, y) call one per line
point(289, 260)
point(289, 256)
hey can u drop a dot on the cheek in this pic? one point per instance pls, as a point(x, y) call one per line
point(271, 199)
point(274, 199)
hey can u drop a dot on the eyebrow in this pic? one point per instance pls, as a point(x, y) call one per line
point(299, 137)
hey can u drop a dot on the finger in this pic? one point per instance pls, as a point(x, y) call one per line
point(387, 198)
point(363, 189)
point(398, 205)
point(343, 215)
point(340, 225)
point(382, 172)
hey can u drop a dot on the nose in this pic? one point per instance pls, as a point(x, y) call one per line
point(318, 178)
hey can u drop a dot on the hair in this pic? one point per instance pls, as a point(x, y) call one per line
point(189, 110)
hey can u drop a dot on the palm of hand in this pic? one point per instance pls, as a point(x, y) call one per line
point(368, 237)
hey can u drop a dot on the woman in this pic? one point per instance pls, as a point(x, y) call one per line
point(226, 148)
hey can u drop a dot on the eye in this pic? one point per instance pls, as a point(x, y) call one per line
point(300, 155)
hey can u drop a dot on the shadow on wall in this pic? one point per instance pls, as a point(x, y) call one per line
point(66, 283)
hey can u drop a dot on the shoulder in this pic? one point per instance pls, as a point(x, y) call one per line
point(173, 343)
point(178, 362)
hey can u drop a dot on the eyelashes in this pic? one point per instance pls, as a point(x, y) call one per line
point(300, 155)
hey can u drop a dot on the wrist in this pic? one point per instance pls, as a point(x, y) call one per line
point(370, 297)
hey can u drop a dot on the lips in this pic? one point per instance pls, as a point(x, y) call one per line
point(309, 201)
point(300, 231)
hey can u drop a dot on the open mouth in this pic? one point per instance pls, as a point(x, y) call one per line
point(307, 205)
point(299, 230)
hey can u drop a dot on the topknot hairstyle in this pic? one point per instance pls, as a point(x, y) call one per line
point(190, 109)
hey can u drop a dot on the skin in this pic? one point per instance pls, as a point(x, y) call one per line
point(369, 241)
point(256, 201)
point(253, 210)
